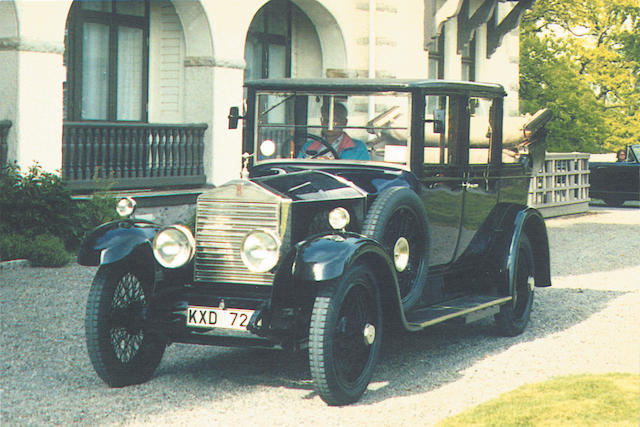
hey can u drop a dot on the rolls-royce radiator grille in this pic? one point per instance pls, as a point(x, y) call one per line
point(221, 226)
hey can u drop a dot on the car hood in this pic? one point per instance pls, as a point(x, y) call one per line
point(311, 185)
point(301, 182)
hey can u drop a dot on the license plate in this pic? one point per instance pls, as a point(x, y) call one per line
point(228, 318)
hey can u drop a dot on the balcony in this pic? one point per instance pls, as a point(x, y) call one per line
point(132, 155)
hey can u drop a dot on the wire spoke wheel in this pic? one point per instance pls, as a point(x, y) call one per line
point(126, 310)
point(120, 348)
point(345, 336)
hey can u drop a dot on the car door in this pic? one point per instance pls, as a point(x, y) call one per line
point(481, 172)
point(443, 176)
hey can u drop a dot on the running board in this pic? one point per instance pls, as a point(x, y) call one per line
point(473, 307)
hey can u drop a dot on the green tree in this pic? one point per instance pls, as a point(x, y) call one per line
point(582, 60)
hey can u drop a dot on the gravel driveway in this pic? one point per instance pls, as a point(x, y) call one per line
point(586, 322)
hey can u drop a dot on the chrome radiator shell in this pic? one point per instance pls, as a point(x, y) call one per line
point(224, 217)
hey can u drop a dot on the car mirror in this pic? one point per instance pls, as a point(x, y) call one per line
point(234, 116)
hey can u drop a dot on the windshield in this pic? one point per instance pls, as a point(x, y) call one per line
point(344, 127)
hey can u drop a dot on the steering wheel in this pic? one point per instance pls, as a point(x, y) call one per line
point(324, 142)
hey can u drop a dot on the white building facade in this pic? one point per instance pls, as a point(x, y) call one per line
point(139, 91)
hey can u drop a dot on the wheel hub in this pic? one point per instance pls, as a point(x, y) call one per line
point(369, 333)
point(401, 254)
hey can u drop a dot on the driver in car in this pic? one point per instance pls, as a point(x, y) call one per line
point(346, 147)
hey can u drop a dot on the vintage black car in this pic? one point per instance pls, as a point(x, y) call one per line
point(363, 206)
point(617, 182)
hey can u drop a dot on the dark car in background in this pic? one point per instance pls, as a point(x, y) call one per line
point(363, 206)
point(617, 182)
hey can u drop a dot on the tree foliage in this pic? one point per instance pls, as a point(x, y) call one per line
point(582, 60)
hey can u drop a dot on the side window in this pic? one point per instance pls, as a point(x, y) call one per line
point(480, 130)
point(436, 140)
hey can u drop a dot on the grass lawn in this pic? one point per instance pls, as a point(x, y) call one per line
point(582, 400)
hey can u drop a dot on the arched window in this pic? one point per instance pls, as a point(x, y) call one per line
point(268, 47)
point(107, 56)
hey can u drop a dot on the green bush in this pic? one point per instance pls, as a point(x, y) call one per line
point(35, 203)
point(13, 246)
point(38, 203)
point(44, 250)
point(100, 208)
point(48, 251)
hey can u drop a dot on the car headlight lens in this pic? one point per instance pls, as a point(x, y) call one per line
point(260, 250)
point(174, 246)
point(339, 218)
point(126, 207)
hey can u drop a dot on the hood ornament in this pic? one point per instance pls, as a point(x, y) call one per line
point(244, 173)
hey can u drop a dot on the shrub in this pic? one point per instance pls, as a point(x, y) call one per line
point(100, 208)
point(38, 203)
point(43, 251)
point(48, 251)
point(35, 203)
point(13, 246)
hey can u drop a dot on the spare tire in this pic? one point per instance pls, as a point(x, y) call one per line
point(397, 219)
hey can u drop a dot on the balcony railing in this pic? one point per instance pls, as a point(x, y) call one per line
point(4, 144)
point(132, 156)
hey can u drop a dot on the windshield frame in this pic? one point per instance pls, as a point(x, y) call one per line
point(303, 121)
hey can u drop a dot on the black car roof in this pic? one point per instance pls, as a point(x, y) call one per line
point(330, 85)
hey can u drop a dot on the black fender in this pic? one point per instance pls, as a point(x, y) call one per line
point(512, 221)
point(116, 240)
point(314, 262)
point(327, 257)
point(530, 221)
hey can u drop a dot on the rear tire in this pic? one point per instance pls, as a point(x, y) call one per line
point(613, 202)
point(514, 315)
point(345, 336)
point(121, 351)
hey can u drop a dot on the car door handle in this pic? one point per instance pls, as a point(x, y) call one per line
point(470, 185)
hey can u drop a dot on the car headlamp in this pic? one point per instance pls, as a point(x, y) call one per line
point(174, 246)
point(260, 250)
point(339, 218)
point(126, 207)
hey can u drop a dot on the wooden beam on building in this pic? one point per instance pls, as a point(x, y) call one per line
point(497, 31)
point(467, 25)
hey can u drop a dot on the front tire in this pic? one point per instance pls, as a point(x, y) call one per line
point(514, 315)
point(121, 351)
point(345, 336)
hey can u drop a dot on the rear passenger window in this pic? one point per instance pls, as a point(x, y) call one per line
point(436, 142)
point(480, 130)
